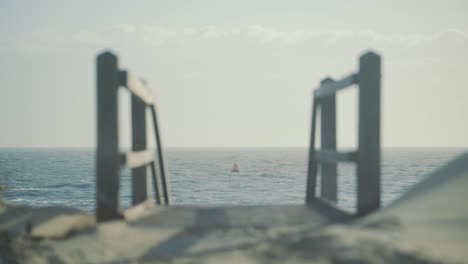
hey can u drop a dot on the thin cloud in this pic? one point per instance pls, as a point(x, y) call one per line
point(156, 35)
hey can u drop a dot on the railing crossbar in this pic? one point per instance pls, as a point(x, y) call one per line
point(331, 156)
point(330, 88)
point(135, 159)
point(136, 86)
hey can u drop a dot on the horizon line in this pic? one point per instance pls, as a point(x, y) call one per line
point(236, 147)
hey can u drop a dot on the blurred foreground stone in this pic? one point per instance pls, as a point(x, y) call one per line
point(427, 225)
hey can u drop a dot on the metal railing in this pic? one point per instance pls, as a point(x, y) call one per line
point(141, 160)
point(367, 157)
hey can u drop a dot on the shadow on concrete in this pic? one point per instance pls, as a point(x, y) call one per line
point(180, 243)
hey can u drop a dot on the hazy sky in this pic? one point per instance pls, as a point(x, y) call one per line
point(233, 73)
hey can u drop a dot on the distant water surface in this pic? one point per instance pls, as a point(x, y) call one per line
point(42, 177)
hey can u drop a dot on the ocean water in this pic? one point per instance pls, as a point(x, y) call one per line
point(42, 177)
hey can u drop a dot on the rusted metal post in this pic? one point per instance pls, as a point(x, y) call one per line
point(312, 169)
point(161, 161)
point(368, 167)
point(328, 142)
point(107, 155)
point(140, 174)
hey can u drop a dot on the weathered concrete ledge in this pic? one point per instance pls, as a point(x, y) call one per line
point(428, 225)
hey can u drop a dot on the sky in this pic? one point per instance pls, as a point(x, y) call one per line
point(233, 73)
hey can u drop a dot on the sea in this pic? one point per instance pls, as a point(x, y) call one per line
point(203, 177)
